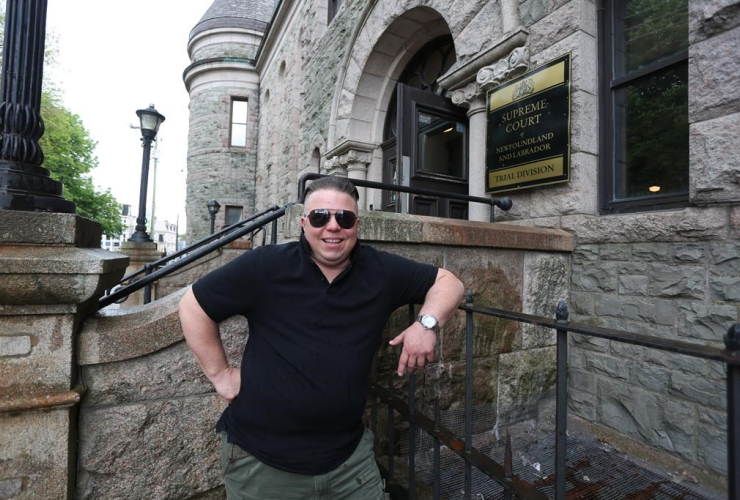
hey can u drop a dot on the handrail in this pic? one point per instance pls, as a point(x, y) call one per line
point(676, 346)
point(502, 203)
point(192, 257)
point(198, 243)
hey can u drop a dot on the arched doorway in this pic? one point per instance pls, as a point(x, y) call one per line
point(425, 139)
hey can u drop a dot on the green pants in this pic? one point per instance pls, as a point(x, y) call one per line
point(247, 478)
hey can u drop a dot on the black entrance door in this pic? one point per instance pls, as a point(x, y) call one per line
point(429, 151)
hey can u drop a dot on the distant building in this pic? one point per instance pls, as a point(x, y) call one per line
point(129, 220)
point(164, 234)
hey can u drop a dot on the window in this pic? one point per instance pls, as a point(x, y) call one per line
point(161, 238)
point(334, 6)
point(644, 102)
point(315, 165)
point(233, 215)
point(238, 123)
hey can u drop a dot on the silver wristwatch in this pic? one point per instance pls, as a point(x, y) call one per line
point(429, 322)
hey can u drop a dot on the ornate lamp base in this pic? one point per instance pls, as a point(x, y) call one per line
point(30, 188)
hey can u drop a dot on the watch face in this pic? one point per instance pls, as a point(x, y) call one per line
point(428, 321)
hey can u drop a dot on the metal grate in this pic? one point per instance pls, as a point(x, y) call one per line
point(595, 470)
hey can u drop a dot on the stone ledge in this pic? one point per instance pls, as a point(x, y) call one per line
point(33, 275)
point(42, 228)
point(495, 235)
point(406, 228)
point(17, 259)
point(37, 310)
point(119, 334)
point(688, 224)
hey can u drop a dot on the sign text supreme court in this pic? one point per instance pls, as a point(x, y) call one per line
point(528, 139)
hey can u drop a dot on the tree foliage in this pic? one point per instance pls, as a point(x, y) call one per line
point(70, 156)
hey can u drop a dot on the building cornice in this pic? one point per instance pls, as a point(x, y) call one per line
point(345, 146)
point(468, 72)
point(199, 68)
point(492, 76)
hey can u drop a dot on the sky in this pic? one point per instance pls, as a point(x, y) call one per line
point(115, 57)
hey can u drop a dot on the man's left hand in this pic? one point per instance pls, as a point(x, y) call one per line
point(418, 347)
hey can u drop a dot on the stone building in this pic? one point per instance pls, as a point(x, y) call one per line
point(652, 195)
point(224, 101)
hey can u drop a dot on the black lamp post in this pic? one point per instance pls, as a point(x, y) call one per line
point(213, 208)
point(150, 120)
point(24, 183)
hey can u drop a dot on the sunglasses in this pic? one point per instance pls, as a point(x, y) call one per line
point(321, 217)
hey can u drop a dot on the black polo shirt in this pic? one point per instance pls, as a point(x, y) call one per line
point(306, 367)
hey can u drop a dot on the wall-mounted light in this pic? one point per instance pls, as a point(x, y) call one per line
point(654, 189)
point(448, 130)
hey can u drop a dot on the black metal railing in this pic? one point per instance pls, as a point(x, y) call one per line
point(502, 203)
point(194, 252)
point(166, 265)
point(167, 260)
point(512, 484)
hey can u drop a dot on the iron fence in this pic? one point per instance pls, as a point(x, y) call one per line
point(171, 263)
point(511, 483)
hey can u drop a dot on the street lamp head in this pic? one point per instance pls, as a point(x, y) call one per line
point(213, 207)
point(150, 121)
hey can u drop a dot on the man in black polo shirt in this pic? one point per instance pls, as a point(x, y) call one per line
point(316, 309)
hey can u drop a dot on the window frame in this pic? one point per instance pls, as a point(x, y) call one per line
point(233, 100)
point(608, 86)
point(229, 208)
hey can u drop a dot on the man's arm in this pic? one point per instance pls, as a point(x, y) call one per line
point(441, 301)
point(201, 334)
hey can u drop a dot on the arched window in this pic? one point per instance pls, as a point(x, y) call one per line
point(316, 161)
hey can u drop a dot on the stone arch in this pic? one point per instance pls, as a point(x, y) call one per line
point(373, 66)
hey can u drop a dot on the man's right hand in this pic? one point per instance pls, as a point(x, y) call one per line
point(227, 383)
point(201, 334)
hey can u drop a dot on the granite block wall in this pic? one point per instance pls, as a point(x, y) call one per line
point(684, 290)
point(147, 421)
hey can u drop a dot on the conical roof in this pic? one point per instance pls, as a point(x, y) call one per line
point(249, 14)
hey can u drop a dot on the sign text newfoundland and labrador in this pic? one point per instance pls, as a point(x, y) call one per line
point(528, 141)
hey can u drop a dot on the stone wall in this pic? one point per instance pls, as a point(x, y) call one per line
point(685, 291)
point(52, 272)
point(296, 91)
point(673, 275)
point(147, 420)
point(222, 69)
point(189, 274)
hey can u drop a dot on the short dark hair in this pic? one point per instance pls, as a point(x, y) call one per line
point(332, 183)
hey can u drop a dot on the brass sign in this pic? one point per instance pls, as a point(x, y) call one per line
point(528, 141)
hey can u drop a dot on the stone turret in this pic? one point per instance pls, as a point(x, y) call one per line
point(224, 109)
